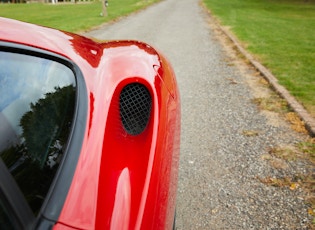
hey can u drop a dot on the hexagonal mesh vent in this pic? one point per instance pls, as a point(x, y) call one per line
point(135, 108)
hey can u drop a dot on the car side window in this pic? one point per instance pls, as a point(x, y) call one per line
point(5, 221)
point(37, 104)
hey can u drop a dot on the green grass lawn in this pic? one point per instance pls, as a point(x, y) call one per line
point(281, 34)
point(71, 17)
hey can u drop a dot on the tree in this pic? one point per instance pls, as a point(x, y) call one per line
point(45, 130)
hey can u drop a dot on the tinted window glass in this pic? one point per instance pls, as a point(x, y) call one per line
point(37, 100)
point(5, 222)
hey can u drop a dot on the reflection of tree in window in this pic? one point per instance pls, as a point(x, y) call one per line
point(46, 127)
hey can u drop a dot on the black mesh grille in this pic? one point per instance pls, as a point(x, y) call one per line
point(135, 107)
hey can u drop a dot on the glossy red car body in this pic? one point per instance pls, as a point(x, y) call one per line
point(121, 181)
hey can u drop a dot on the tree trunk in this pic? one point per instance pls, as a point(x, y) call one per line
point(104, 13)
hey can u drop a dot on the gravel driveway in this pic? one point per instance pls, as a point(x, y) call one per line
point(225, 137)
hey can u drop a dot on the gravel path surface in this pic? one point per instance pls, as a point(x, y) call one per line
point(225, 138)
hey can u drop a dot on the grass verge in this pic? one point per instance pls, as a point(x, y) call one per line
point(281, 35)
point(71, 17)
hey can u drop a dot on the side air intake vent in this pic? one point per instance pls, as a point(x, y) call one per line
point(135, 104)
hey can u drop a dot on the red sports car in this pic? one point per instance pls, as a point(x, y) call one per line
point(89, 132)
